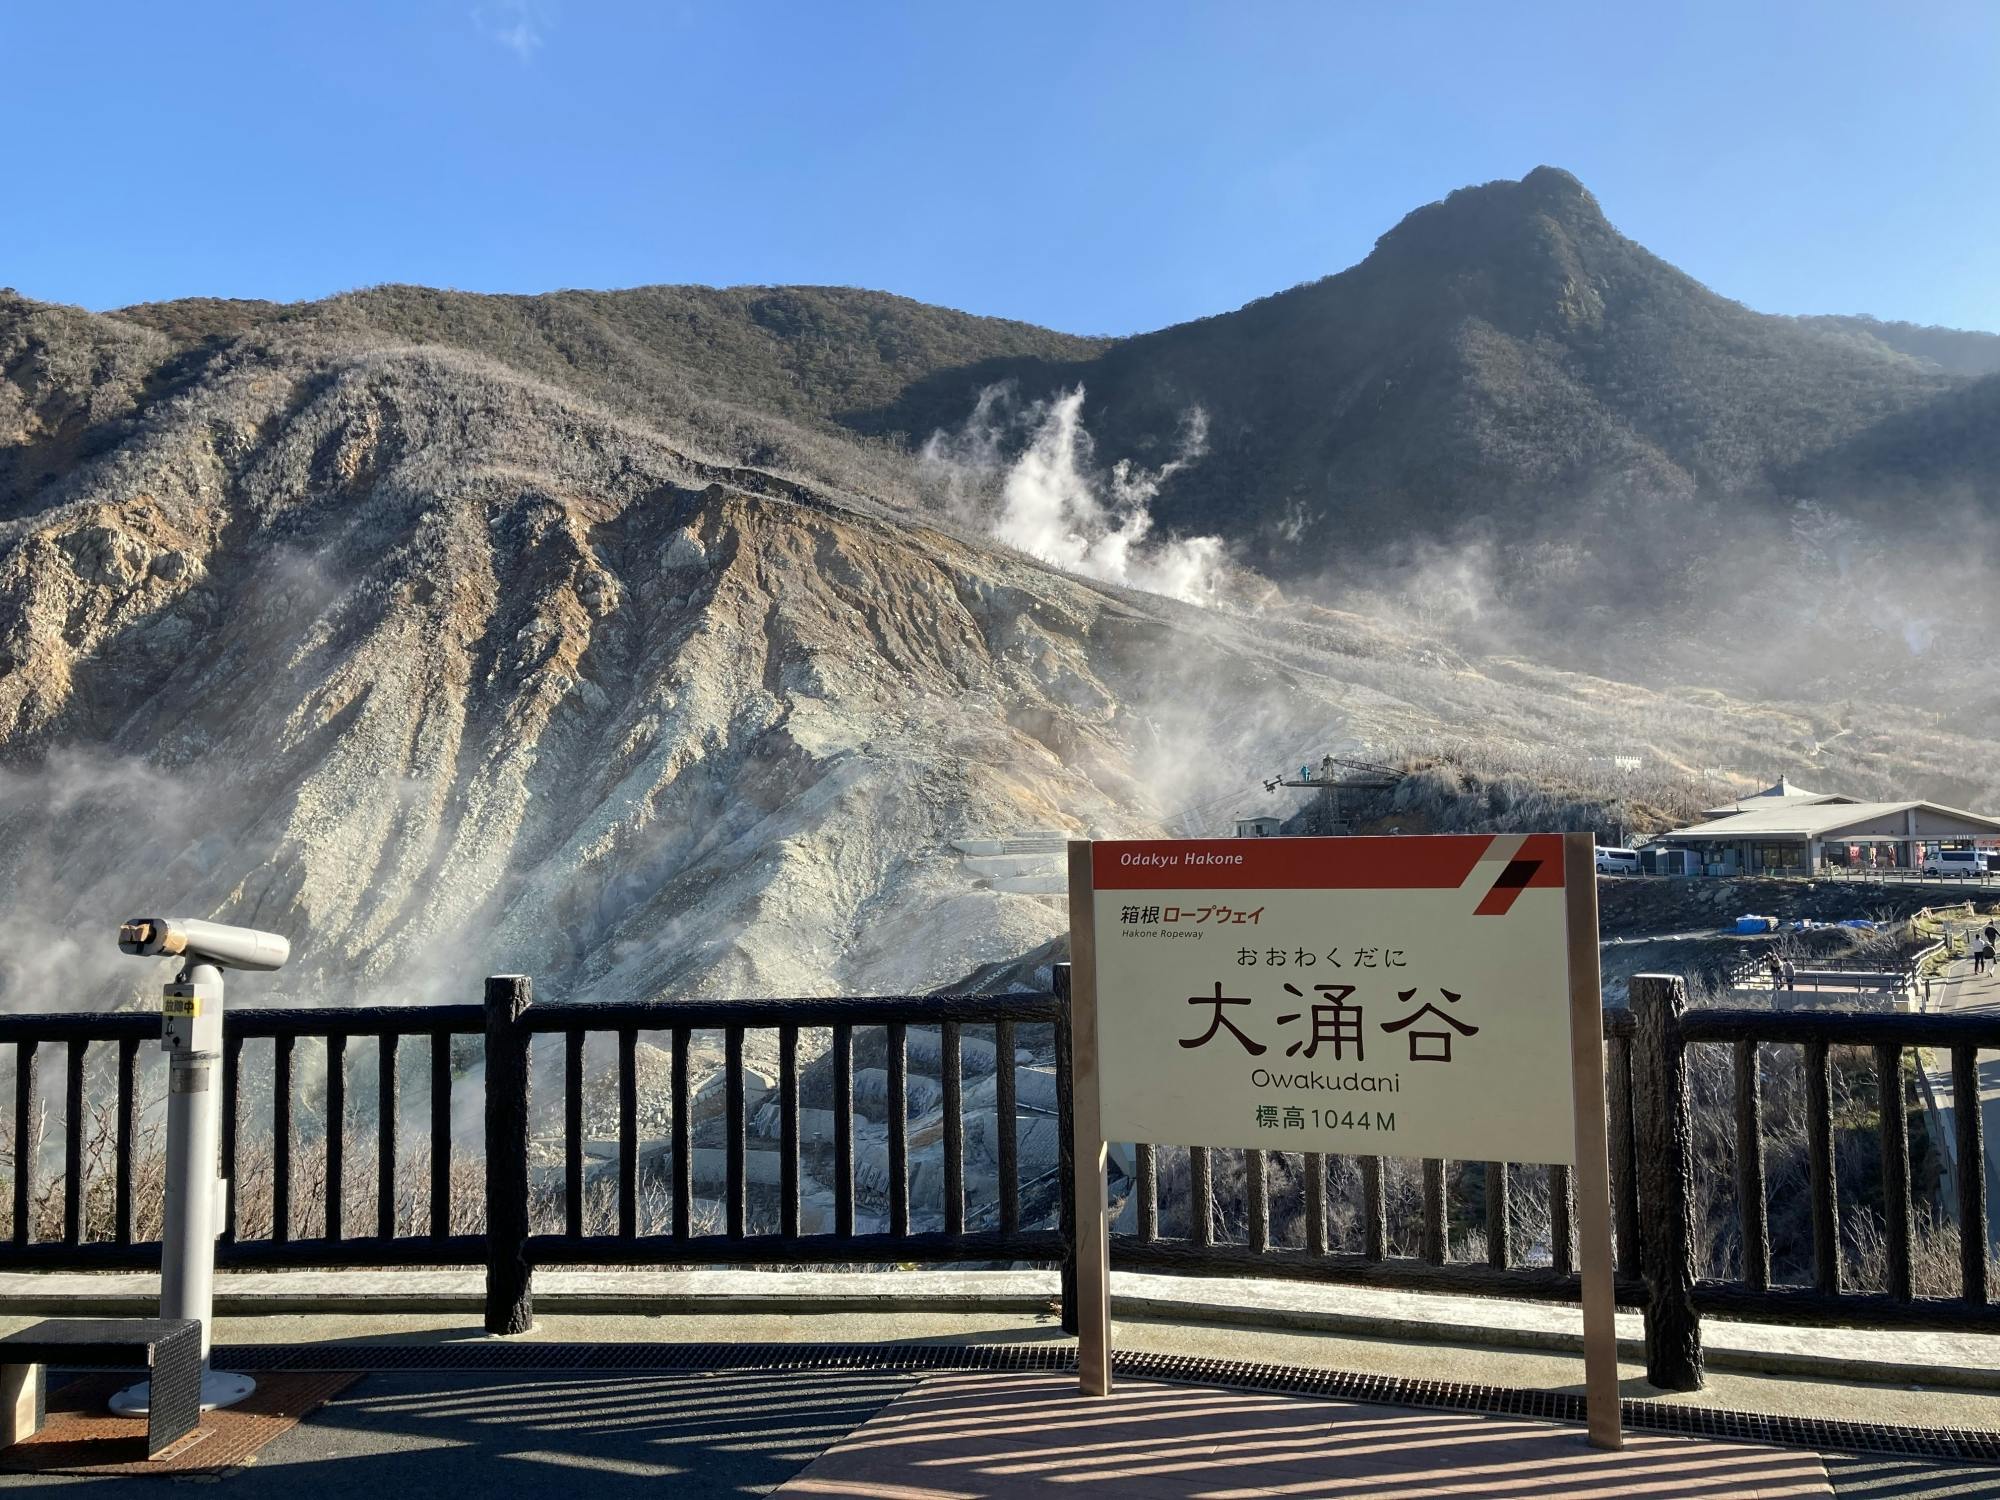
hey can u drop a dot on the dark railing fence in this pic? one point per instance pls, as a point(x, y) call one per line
point(513, 1250)
point(1213, 1226)
point(136, 1034)
point(1884, 1040)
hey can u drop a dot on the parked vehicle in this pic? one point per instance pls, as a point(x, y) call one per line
point(1617, 861)
point(1955, 862)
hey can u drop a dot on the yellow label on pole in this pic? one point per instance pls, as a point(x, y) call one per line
point(180, 1005)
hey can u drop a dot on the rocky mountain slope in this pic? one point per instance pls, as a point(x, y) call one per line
point(1955, 351)
point(613, 638)
point(1505, 364)
point(396, 652)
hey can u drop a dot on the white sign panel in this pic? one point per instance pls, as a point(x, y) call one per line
point(1357, 996)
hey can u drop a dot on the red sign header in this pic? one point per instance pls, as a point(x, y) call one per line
point(1418, 862)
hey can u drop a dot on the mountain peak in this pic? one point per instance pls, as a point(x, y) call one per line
point(1495, 212)
point(1552, 189)
point(1554, 180)
point(1530, 257)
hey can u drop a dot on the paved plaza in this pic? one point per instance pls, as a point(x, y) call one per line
point(897, 1435)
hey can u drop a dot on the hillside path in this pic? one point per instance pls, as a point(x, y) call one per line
point(1961, 992)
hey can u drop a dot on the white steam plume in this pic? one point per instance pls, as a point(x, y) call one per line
point(1052, 504)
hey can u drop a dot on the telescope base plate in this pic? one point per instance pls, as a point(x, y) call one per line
point(218, 1388)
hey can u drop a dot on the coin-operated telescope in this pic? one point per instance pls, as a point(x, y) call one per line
point(191, 1036)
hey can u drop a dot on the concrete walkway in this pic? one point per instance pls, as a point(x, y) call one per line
point(1959, 989)
point(1960, 992)
point(309, 1306)
point(1438, 1355)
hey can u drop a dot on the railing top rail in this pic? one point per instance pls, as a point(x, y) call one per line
point(558, 1016)
point(832, 1010)
point(356, 1020)
point(289, 1020)
point(1839, 1028)
point(79, 1026)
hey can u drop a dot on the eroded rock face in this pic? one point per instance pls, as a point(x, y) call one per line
point(441, 673)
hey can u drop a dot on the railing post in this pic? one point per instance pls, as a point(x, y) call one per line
point(1665, 1172)
point(1065, 1149)
point(510, 1296)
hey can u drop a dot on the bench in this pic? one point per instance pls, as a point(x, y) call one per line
point(167, 1349)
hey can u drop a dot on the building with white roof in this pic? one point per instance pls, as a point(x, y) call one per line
point(1788, 829)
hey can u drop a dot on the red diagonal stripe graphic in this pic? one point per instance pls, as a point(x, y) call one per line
point(1513, 880)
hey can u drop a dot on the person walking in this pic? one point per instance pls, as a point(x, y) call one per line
point(1982, 954)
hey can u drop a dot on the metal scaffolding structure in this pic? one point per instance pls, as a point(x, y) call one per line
point(1335, 775)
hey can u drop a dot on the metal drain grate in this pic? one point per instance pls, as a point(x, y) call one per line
point(1949, 1444)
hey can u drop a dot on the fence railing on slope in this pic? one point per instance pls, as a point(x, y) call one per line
point(1900, 973)
point(1896, 875)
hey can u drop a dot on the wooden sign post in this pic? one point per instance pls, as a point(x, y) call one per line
point(1349, 996)
point(1092, 1217)
point(1592, 1174)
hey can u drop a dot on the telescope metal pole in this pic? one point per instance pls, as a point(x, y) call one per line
point(191, 1036)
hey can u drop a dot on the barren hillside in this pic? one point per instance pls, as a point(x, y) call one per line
point(586, 636)
point(441, 670)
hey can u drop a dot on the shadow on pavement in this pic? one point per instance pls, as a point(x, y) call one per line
point(564, 1437)
point(1868, 1478)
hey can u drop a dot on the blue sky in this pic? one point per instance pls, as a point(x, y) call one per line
point(1098, 168)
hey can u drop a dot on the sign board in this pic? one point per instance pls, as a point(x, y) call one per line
point(1430, 996)
point(1354, 996)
